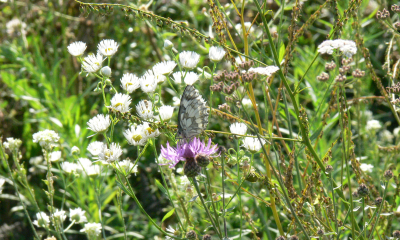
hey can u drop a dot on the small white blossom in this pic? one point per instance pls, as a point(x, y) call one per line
point(77, 215)
point(112, 154)
point(253, 144)
point(396, 131)
point(347, 47)
point(168, 45)
point(268, 71)
point(184, 180)
point(148, 82)
point(92, 63)
point(42, 220)
point(96, 147)
point(164, 68)
point(76, 49)
point(190, 78)
point(248, 26)
point(386, 136)
point(189, 59)
point(149, 132)
point(129, 82)
point(166, 112)
point(69, 167)
point(75, 150)
point(12, 144)
point(107, 47)
point(173, 231)
point(59, 215)
point(55, 156)
point(247, 102)
point(83, 165)
point(15, 26)
point(176, 101)
point(92, 229)
point(145, 110)
point(216, 53)
point(120, 103)
point(373, 125)
point(99, 123)
point(46, 138)
point(127, 167)
point(93, 170)
point(366, 167)
point(238, 128)
point(136, 136)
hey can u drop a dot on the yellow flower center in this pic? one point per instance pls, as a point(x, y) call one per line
point(137, 137)
point(149, 130)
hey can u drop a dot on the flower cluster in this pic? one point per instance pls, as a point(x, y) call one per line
point(139, 135)
point(347, 47)
point(46, 138)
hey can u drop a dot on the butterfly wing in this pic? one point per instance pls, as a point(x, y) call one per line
point(193, 114)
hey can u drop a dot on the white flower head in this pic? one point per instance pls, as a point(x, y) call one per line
point(238, 128)
point(190, 78)
point(268, 71)
point(83, 165)
point(76, 49)
point(55, 156)
point(366, 167)
point(59, 215)
point(15, 27)
point(386, 136)
point(77, 215)
point(166, 112)
point(216, 53)
point(149, 132)
point(12, 144)
point(189, 59)
point(92, 63)
point(346, 47)
point(148, 82)
point(248, 28)
point(93, 170)
point(120, 103)
point(145, 110)
point(164, 68)
point(69, 167)
point(173, 231)
point(99, 123)
point(168, 45)
point(184, 180)
point(136, 136)
point(373, 125)
point(96, 147)
point(111, 154)
point(107, 47)
point(127, 167)
point(253, 144)
point(92, 229)
point(46, 138)
point(42, 220)
point(247, 102)
point(129, 82)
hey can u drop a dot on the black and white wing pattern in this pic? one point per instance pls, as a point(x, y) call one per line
point(193, 114)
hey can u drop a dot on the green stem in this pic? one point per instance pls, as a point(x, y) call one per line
point(379, 211)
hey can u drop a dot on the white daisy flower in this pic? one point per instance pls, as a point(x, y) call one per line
point(164, 68)
point(149, 132)
point(268, 71)
point(42, 220)
point(92, 229)
point(59, 215)
point(99, 123)
point(253, 144)
point(112, 154)
point(173, 231)
point(136, 136)
point(12, 144)
point(238, 128)
point(127, 167)
point(46, 138)
point(69, 167)
point(145, 110)
point(148, 82)
point(165, 112)
point(77, 48)
point(96, 147)
point(190, 78)
point(366, 167)
point(216, 53)
point(77, 215)
point(108, 47)
point(189, 59)
point(92, 63)
point(55, 156)
point(373, 125)
point(120, 103)
point(129, 82)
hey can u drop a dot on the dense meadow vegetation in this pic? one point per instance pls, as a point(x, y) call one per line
point(199, 119)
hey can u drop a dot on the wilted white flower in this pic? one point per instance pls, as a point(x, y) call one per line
point(164, 68)
point(238, 128)
point(69, 167)
point(366, 167)
point(189, 59)
point(127, 167)
point(373, 125)
point(75, 150)
point(136, 136)
point(96, 147)
point(99, 123)
point(111, 154)
point(216, 53)
point(92, 63)
point(15, 27)
point(77, 215)
point(120, 103)
point(42, 220)
point(166, 112)
point(55, 156)
point(268, 71)
point(129, 82)
point(46, 138)
point(148, 82)
point(347, 47)
point(190, 78)
point(107, 47)
point(77, 48)
point(92, 229)
point(12, 144)
point(168, 45)
point(59, 215)
point(253, 144)
point(106, 71)
point(145, 109)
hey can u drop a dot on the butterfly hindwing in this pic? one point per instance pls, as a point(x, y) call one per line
point(193, 114)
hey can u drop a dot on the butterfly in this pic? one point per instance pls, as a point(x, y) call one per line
point(193, 114)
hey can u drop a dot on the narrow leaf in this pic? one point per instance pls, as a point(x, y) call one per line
point(169, 214)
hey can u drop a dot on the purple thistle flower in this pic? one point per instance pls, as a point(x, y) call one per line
point(186, 150)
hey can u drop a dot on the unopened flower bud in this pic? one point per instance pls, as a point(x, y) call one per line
point(246, 65)
point(383, 15)
point(388, 175)
point(215, 197)
point(294, 237)
point(340, 78)
point(328, 169)
point(358, 73)
point(191, 168)
point(106, 71)
point(320, 232)
point(248, 77)
point(207, 237)
point(191, 235)
point(362, 190)
point(323, 77)
point(75, 151)
point(395, 8)
point(108, 82)
point(396, 25)
point(378, 201)
point(168, 45)
point(113, 91)
point(330, 66)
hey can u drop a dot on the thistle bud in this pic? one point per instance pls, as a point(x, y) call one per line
point(191, 235)
point(191, 168)
point(207, 237)
point(396, 234)
point(328, 169)
point(202, 160)
point(388, 175)
point(362, 190)
point(251, 177)
point(378, 201)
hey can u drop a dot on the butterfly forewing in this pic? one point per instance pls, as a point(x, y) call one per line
point(193, 114)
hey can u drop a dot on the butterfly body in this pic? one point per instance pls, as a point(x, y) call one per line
point(193, 114)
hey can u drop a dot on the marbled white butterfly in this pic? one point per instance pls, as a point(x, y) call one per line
point(193, 114)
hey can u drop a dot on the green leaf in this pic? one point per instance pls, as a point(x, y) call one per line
point(161, 187)
point(281, 52)
point(169, 214)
